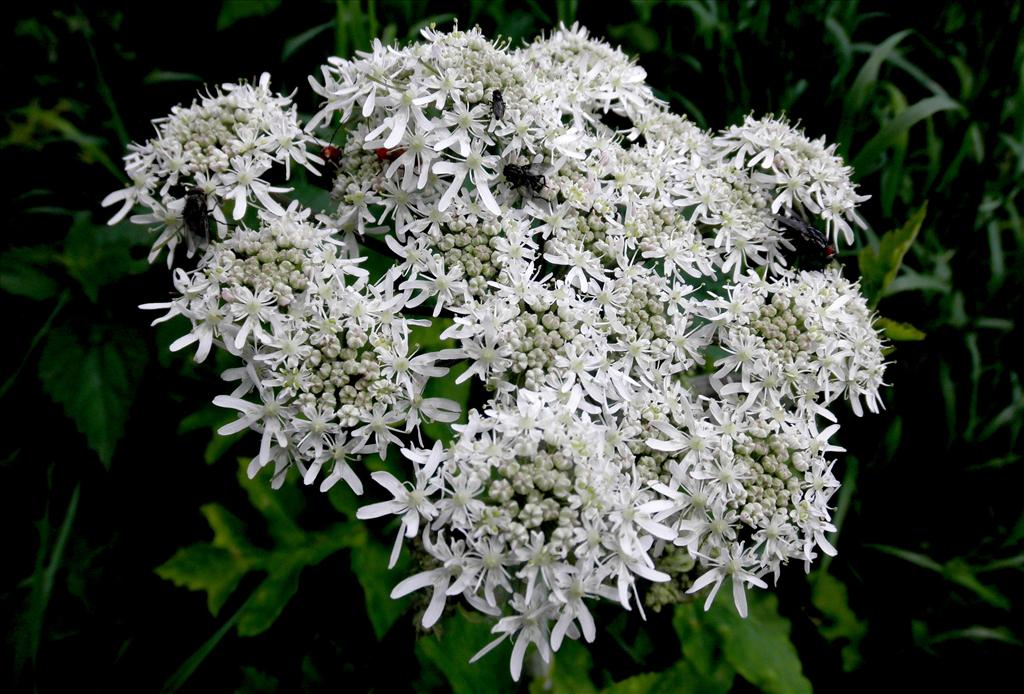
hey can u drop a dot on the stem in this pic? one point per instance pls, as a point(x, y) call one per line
point(104, 88)
point(63, 299)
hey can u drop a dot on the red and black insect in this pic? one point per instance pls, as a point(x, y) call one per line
point(385, 154)
point(332, 157)
point(812, 249)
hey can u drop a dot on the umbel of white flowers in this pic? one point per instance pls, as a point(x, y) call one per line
point(657, 374)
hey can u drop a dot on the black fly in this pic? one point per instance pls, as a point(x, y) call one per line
point(522, 177)
point(497, 104)
point(813, 251)
point(195, 213)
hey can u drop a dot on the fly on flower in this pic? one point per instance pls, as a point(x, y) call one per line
point(813, 251)
point(195, 213)
point(497, 104)
point(523, 177)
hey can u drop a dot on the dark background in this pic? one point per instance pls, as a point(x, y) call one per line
point(108, 448)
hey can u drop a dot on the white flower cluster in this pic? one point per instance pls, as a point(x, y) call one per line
point(618, 281)
point(221, 147)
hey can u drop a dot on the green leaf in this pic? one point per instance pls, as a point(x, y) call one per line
point(878, 267)
point(205, 567)
point(218, 567)
point(638, 35)
point(163, 76)
point(369, 562)
point(257, 682)
point(232, 11)
point(681, 678)
point(899, 332)
point(94, 381)
point(446, 387)
point(22, 274)
point(702, 648)
point(840, 623)
point(569, 672)
point(277, 506)
point(344, 500)
point(98, 255)
point(759, 646)
point(457, 639)
point(269, 599)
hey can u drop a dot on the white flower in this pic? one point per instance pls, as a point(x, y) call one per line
point(729, 565)
point(649, 370)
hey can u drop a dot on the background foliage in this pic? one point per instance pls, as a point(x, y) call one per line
point(116, 495)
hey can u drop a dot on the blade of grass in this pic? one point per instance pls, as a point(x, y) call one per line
point(43, 584)
point(102, 86)
point(869, 159)
point(36, 339)
point(863, 83)
point(185, 671)
point(296, 42)
point(843, 505)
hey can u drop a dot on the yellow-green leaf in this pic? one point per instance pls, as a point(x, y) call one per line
point(878, 266)
point(205, 567)
point(900, 332)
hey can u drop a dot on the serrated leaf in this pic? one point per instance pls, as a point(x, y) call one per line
point(267, 602)
point(369, 562)
point(205, 567)
point(899, 332)
point(94, 381)
point(228, 531)
point(97, 255)
point(22, 273)
point(878, 266)
point(451, 644)
point(841, 624)
point(759, 646)
point(569, 672)
point(293, 551)
point(232, 11)
point(277, 506)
